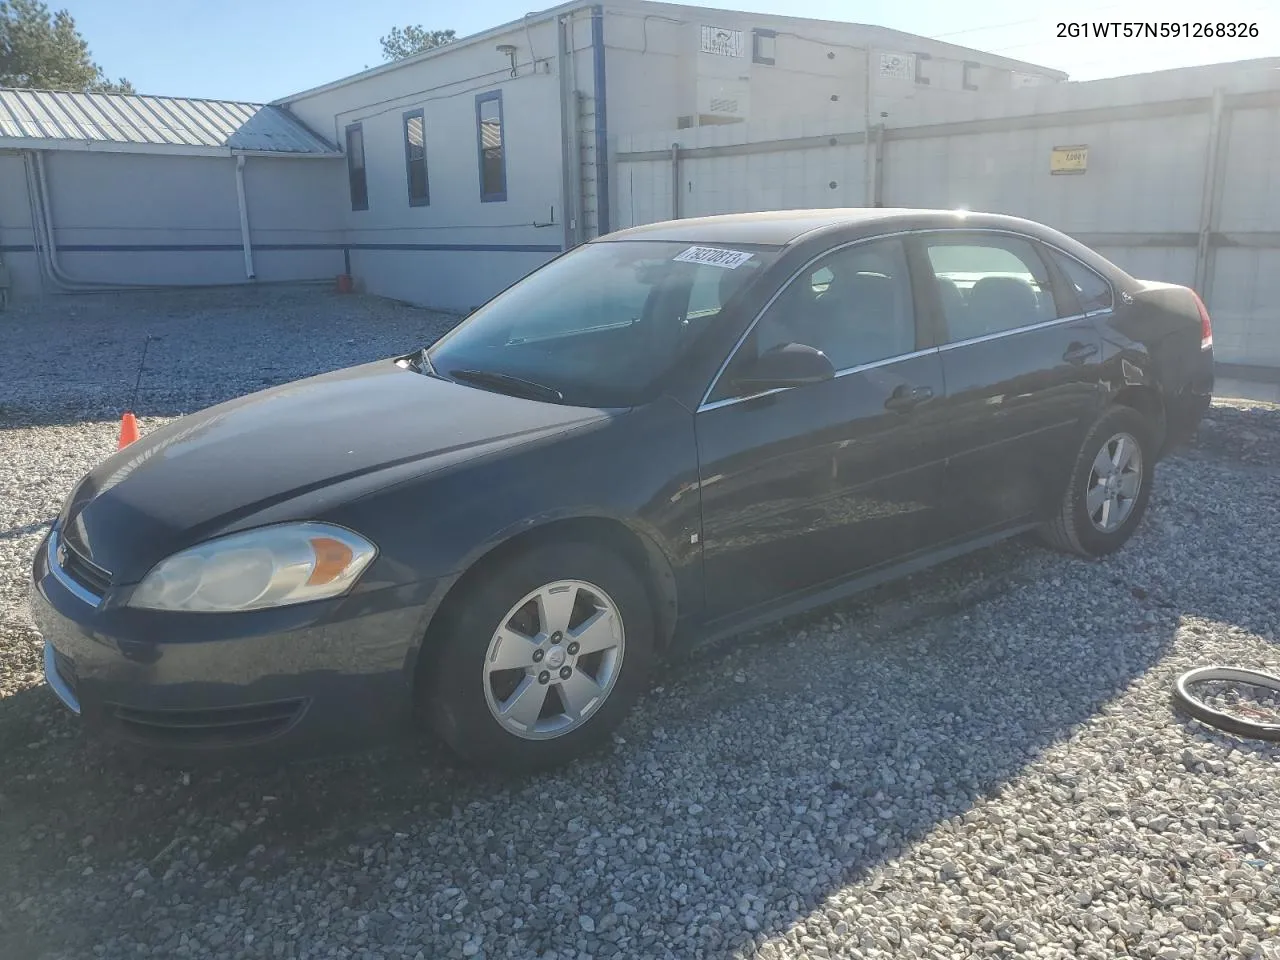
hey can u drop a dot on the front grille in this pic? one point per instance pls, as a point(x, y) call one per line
point(82, 570)
point(211, 728)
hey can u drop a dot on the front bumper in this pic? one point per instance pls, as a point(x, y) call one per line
point(312, 678)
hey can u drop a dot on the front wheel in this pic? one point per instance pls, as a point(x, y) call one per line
point(1109, 488)
point(542, 658)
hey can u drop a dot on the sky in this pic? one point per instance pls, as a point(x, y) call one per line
point(259, 50)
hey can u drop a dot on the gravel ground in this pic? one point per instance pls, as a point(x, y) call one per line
point(980, 761)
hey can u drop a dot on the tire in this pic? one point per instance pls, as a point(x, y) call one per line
point(1075, 528)
point(468, 688)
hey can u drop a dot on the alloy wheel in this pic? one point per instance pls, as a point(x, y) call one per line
point(554, 659)
point(1115, 479)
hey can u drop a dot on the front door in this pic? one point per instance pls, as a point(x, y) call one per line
point(807, 486)
point(1022, 367)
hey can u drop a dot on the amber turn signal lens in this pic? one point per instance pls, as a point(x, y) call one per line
point(332, 558)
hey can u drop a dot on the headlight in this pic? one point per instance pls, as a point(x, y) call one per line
point(268, 567)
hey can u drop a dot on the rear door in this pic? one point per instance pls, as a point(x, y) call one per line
point(807, 486)
point(1022, 363)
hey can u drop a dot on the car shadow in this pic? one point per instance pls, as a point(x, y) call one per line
point(903, 648)
point(882, 725)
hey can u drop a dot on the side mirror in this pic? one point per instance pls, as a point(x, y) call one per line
point(788, 365)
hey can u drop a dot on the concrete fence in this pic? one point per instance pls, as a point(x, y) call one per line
point(1174, 176)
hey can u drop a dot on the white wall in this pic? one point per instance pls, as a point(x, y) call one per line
point(658, 74)
point(457, 251)
point(16, 237)
point(137, 218)
point(1139, 203)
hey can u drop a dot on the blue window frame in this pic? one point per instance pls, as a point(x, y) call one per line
point(415, 158)
point(491, 147)
point(356, 175)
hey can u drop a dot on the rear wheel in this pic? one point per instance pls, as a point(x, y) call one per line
point(542, 657)
point(1109, 488)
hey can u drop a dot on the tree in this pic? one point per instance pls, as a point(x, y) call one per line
point(399, 43)
point(45, 51)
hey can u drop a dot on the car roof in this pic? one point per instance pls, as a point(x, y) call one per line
point(782, 227)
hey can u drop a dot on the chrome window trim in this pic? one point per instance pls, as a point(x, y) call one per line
point(1012, 331)
point(1003, 231)
point(861, 367)
point(61, 576)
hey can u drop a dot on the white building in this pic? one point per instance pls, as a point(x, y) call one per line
point(492, 144)
point(98, 190)
point(465, 167)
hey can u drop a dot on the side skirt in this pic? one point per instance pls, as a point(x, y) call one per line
point(822, 596)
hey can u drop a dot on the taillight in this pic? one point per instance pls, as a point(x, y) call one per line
point(1206, 325)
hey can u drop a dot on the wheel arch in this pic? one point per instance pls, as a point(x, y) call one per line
point(636, 547)
point(1148, 401)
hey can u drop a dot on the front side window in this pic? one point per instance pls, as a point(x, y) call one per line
point(415, 158)
point(1092, 291)
point(355, 168)
point(493, 151)
point(854, 305)
point(603, 323)
point(989, 284)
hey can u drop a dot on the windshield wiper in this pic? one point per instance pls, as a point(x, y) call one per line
point(509, 384)
point(420, 361)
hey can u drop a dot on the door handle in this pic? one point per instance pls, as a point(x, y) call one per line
point(907, 397)
point(1080, 352)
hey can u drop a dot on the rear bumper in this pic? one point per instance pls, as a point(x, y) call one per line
point(313, 679)
point(1185, 409)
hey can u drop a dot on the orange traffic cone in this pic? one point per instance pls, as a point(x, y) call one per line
point(128, 430)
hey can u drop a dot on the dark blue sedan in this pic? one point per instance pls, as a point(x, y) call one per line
point(679, 430)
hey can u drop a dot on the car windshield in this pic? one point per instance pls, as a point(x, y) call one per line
point(601, 325)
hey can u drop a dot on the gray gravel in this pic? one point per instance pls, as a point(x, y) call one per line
point(982, 761)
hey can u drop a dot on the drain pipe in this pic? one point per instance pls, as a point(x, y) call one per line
point(42, 228)
point(245, 241)
point(42, 221)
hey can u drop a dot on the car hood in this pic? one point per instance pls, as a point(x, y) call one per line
point(197, 476)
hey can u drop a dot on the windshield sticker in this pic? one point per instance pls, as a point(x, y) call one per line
point(715, 257)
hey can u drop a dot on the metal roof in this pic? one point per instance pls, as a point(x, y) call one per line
point(58, 120)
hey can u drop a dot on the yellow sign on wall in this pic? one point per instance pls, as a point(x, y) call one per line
point(1074, 159)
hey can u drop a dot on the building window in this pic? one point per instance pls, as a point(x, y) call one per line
point(415, 158)
point(493, 152)
point(764, 46)
point(355, 168)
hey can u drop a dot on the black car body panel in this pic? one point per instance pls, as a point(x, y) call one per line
point(286, 452)
point(740, 508)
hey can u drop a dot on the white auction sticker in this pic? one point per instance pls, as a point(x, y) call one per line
point(714, 256)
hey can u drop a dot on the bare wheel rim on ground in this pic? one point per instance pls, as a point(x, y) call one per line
point(554, 659)
point(1186, 700)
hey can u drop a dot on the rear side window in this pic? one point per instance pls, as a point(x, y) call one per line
point(989, 284)
point(1092, 290)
